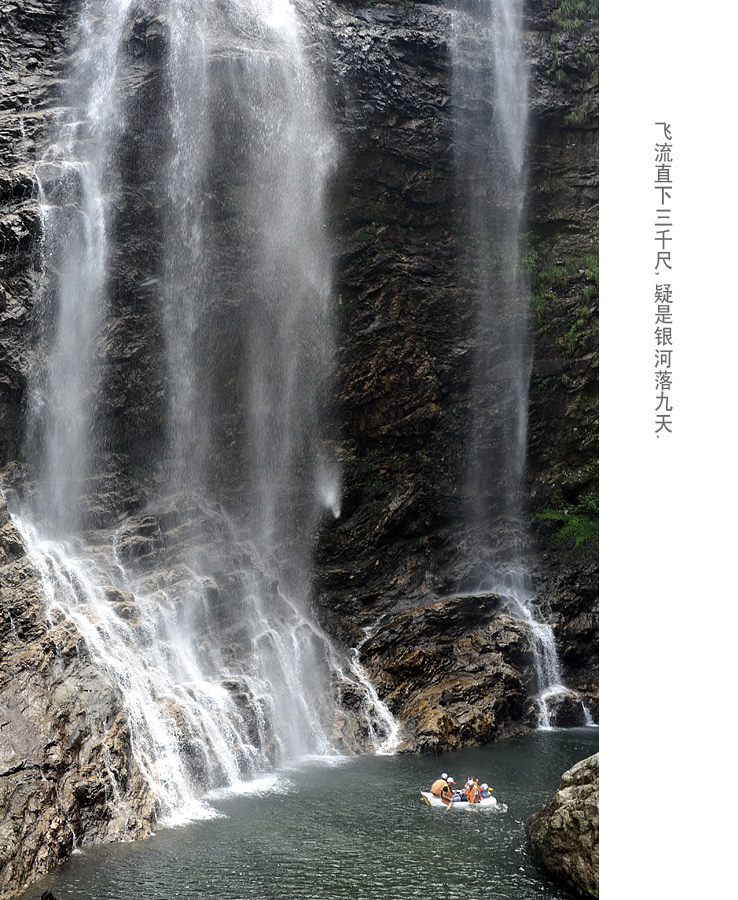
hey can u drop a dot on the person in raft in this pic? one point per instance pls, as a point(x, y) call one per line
point(472, 790)
point(441, 788)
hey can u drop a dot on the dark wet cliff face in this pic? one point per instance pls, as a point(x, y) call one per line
point(406, 283)
point(454, 670)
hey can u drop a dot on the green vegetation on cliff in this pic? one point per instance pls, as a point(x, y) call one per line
point(573, 16)
point(579, 527)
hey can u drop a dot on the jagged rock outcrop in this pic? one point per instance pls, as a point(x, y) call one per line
point(454, 672)
point(565, 834)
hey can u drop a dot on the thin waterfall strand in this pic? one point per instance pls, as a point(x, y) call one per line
point(492, 137)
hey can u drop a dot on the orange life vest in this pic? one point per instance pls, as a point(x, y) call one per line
point(440, 787)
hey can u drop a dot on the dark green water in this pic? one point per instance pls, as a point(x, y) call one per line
point(353, 830)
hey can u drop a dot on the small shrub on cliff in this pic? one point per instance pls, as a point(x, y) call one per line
point(578, 331)
point(579, 527)
point(570, 16)
point(570, 19)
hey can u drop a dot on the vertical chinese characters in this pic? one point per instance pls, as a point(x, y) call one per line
point(663, 298)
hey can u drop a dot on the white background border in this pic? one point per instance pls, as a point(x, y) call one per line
point(668, 505)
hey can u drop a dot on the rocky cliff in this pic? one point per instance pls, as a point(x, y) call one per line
point(565, 834)
point(64, 737)
point(406, 291)
point(454, 669)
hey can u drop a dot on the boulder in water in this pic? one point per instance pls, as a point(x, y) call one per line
point(565, 710)
point(565, 835)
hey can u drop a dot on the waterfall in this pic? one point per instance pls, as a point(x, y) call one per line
point(75, 183)
point(196, 604)
point(387, 740)
point(490, 85)
point(491, 97)
point(189, 420)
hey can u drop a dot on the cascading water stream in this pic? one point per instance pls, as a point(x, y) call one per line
point(388, 742)
point(199, 618)
point(161, 679)
point(75, 182)
point(490, 81)
point(184, 268)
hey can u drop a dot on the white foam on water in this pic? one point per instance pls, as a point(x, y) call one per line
point(266, 784)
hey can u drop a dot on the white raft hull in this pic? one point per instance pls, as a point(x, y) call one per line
point(432, 800)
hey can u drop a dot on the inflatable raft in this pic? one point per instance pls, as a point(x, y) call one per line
point(432, 800)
